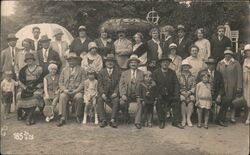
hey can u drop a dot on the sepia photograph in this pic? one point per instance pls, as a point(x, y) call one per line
point(125, 77)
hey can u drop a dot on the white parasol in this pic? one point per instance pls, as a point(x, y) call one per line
point(46, 28)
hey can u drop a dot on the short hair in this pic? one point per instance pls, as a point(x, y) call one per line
point(27, 40)
point(140, 35)
point(153, 30)
point(193, 46)
point(52, 66)
point(221, 27)
point(202, 30)
point(36, 27)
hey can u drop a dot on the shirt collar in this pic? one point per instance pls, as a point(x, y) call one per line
point(227, 62)
point(157, 42)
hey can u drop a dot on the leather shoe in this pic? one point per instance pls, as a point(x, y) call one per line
point(103, 124)
point(162, 125)
point(138, 126)
point(221, 123)
point(178, 126)
point(113, 124)
point(61, 123)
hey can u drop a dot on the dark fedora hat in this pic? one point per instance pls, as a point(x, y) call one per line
point(109, 57)
point(29, 56)
point(73, 56)
point(165, 58)
point(11, 36)
point(211, 60)
point(45, 38)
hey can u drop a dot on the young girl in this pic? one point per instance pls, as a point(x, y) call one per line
point(51, 91)
point(147, 95)
point(90, 94)
point(7, 92)
point(203, 99)
point(187, 90)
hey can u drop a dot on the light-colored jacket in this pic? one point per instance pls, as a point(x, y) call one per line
point(125, 82)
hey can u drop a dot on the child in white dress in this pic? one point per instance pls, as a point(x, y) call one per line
point(90, 94)
point(203, 100)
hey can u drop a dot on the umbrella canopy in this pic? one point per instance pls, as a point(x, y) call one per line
point(131, 25)
point(46, 28)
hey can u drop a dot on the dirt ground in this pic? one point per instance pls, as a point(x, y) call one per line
point(77, 139)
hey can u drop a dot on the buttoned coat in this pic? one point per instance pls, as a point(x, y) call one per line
point(6, 59)
point(232, 76)
point(52, 56)
point(109, 84)
point(125, 82)
point(104, 50)
point(79, 78)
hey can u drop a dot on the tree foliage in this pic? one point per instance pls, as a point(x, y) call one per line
point(71, 14)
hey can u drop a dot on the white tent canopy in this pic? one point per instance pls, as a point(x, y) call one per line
point(46, 28)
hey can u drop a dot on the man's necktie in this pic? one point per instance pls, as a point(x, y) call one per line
point(13, 56)
point(133, 76)
point(46, 55)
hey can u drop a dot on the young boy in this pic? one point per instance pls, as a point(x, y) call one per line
point(147, 95)
point(7, 92)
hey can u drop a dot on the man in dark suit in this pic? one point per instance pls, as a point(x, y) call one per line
point(183, 43)
point(9, 56)
point(35, 42)
point(168, 93)
point(219, 43)
point(46, 54)
point(108, 82)
point(217, 88)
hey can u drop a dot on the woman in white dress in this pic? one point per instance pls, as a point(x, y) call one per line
point(203, 44)
point(246, 79)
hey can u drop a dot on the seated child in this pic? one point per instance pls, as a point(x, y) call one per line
point(7, 92)
point(90, 94)
point(51, 91)
point(147, 95)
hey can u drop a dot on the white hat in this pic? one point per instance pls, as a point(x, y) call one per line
point(92, 45)
point(228, 52)
point(247, 47)
point(173, 45)
point(82, 27)
point(185, 62)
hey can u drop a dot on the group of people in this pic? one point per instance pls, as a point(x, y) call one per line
point(176, 76)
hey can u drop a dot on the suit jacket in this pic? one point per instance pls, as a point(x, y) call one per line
point(218, 83)
point(166, 44)
point(6, 60)
point(78, 47)
point(52, 56)
point(183, 47)
point(104, 50)
point(218, 47)
point(109, 84)
point(167, 83)
point(39, 45)
point(79, 76)
point(123, 51)
point(65, 48)
point(125, 82)
point(152, 50)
